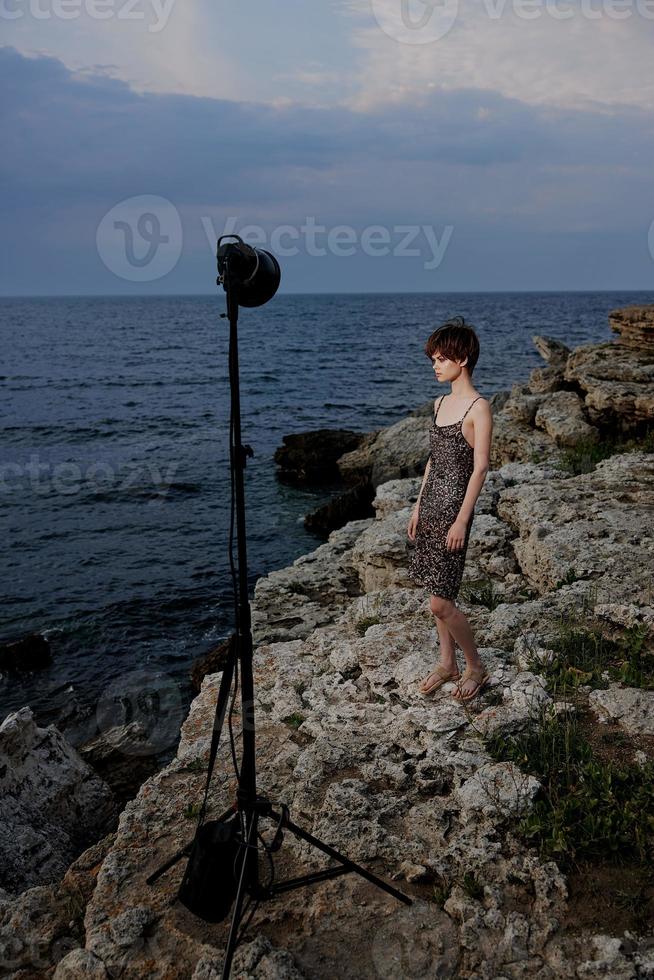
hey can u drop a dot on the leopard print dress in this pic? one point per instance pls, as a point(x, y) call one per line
point(452, 462)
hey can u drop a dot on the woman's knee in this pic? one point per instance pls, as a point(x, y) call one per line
point(440, 607)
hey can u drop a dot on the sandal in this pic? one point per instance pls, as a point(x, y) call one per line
point(479, 677)
point(443, 678)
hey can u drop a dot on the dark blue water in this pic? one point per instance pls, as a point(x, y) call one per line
point(116, 487)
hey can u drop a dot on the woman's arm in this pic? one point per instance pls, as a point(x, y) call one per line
point(482, 421)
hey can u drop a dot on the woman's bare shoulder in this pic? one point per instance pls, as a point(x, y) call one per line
point(482, 409)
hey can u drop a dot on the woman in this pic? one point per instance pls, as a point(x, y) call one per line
point(442, 517)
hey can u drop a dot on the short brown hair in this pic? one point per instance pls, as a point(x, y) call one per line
point(456, 340)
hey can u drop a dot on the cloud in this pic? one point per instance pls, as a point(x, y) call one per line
point(584, 54)
point(85, 134)
point(495, 168)
point(566, 53)
point(153, 45)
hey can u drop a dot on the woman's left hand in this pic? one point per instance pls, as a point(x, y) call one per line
point(456, 536)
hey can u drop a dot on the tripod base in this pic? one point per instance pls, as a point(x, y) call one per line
point(346, 865)
point(264, 808)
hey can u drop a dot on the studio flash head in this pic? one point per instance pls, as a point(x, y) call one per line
point(254, 273)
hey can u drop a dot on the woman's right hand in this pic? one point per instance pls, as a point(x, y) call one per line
point(413, 523)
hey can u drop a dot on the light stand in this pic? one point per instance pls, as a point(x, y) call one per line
point(250, 277)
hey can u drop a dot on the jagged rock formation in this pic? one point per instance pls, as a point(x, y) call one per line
point(401, 783)
point(635, 325)
point(52, 804)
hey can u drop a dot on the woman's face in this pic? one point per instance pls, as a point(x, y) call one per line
point(444, 368)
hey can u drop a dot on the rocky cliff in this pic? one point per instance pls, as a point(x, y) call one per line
point(422, 791)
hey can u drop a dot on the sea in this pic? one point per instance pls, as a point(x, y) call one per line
point(115, 484)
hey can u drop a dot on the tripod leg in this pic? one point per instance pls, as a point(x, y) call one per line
point(236, 916)
point(169, 863)
point(350, 865)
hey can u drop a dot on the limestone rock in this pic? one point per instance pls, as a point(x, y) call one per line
point(595, 525)
point(632, 708)
point(78, 964)
point(635, 324)
point(42, 925)
point(122, 756)
point(255, 960)
point(522, 405)
point(379, 554)
point(52, 804)
point(626, 614)
point(528, 691)
point(527, 472)
point(394, 495)
point(497, 789)
point(290, 602)
point(617, 380)
point(490, 548)
point(551, 349)
point(608, 961)
point(550, 377)
point(515, 439)
point(397, 452)
point(524, 699)
point(561, 415)
point(546, 379)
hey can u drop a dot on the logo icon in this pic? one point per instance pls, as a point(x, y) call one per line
point(140, 239)
point(415, 21)
point(141, 712)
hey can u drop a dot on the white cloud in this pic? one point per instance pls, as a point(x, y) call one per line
point(536, 196)
point(347, 53)
point(163, 46)
point(581, 61)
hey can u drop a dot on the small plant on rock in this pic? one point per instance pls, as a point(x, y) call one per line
point(587, 809)
point(294, 720)
point(472, 887)
point(481, 592)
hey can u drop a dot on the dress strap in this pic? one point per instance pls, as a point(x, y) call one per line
point(438, 406)
point(470, 406)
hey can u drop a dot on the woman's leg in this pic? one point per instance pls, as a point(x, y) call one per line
point(447, 651)
point(459, 629)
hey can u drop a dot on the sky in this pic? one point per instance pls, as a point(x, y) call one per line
point(371, 145)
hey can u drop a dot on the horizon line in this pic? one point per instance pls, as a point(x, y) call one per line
point(381, 292)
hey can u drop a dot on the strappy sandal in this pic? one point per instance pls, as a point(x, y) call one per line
point(476, 674)
point(443, 678)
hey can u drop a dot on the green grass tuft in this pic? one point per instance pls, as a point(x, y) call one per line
point(362, 625)
point(584, 655)
point(481, 592)
point(294, 720)
point(584, 456)
point(472, 887)
point(298, 588)
point(192, 810)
